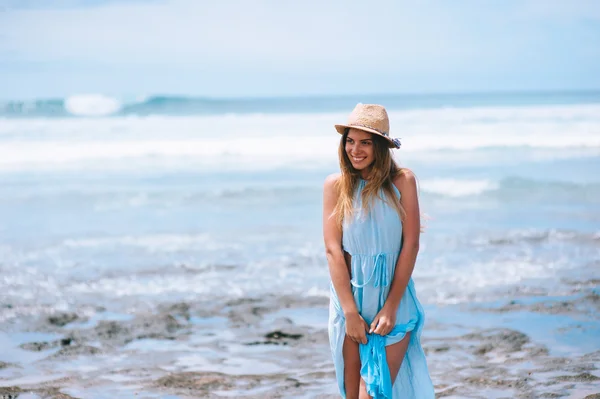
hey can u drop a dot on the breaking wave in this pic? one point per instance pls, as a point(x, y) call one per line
point(101, 105)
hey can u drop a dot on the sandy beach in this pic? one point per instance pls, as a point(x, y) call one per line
point(277, 347)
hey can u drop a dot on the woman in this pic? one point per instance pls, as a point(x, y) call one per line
point(371, 225)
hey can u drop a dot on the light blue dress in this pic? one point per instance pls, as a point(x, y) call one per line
point(373, 239)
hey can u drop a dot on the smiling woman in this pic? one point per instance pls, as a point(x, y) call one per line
point(371, 229)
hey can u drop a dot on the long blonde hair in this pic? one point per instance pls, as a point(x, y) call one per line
point(383, 171)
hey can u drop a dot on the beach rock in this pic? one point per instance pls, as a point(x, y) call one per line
point(38, 346)
point(277, 338)
point(592, 356)
point(503, 340)
point(111, 330)
point(75, 350)
point(52, 393)
point(5, 365)
point(443, 391)
point(277, 335)
point(588, 304)
point(202, 384)
point(593, 297)
point(494, 381)
point(442, 348)
point(581, 377)
point(196, 381)
point(554, 307)
point(247, 315)
point(62, 319)
point(42, 392)
point(180, 309)
point(10, 392)
point(42, 346)
point(483, 349)
point(119, 333)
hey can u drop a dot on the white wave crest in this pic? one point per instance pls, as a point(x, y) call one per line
point(256, 141)
point(92, 105)
point(153, 243)
point(456, 187)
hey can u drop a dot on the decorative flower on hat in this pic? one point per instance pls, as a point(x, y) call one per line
point(396, 142)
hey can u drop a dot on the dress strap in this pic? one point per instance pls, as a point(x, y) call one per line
point(379, 273)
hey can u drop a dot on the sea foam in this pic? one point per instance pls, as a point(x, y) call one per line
point(458, 188)
point(92, 105)
point(274, 140)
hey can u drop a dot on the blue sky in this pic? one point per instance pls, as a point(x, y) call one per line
point(232, 48)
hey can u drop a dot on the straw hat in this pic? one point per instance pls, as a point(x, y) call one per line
point(371, 118)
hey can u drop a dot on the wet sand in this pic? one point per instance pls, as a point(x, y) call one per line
point(277, 347)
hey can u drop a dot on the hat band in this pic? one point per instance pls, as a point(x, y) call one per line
point(369, 127)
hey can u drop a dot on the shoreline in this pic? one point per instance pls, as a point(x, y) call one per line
point(278, 347)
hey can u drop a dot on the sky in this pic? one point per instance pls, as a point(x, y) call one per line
point(256, 48)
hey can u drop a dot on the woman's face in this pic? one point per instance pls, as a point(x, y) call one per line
point(359, 148)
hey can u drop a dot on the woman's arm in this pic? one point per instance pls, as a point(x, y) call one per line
point(411, 230)
point(332, 234)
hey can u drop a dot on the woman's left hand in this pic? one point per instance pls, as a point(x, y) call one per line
point(384, 322)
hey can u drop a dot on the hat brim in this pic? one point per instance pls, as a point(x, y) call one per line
point(342, 128)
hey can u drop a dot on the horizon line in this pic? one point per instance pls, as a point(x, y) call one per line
point(589, 91)
point(319, 96)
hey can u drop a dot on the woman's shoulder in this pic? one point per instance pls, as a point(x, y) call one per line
point(405, 178)
point(332, 180)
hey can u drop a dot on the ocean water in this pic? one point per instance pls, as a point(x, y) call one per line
point(90, 202)
point(105, 204)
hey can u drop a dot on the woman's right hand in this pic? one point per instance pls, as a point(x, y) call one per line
point(356, 328)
